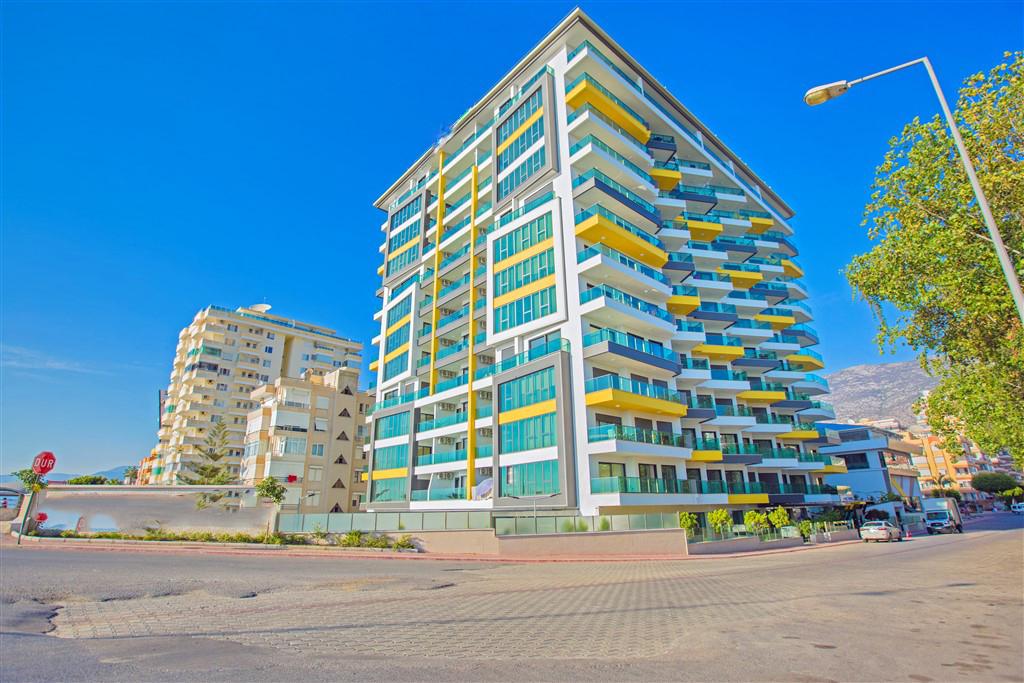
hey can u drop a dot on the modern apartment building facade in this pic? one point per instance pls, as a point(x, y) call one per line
point(308, 434)
point(879, 463)
point(589, 302)
point(222, 356)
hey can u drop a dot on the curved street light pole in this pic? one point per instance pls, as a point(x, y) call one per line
point(829, 91)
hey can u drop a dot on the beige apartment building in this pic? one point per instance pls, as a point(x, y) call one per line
point(308, 434)
point(223, 355)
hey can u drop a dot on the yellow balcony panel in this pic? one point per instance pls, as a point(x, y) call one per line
point(742, 279)
point(832, 469)
point(706, 456)
point(681, 304)
point(525, 290)
point(799, 434)
point(759, 225)
point(623, 400)
point(791, 269)
point(374, 365)
point(395, 473)
point(718, 351)
point(599, 229)
point(365, 476)
point(532, 410)
point(587, 93)
point(666, 178)
point(760, 396)
point(805, 362)
point(702, 231)
point(380, 270)
point(777, 322)
point(747, 498)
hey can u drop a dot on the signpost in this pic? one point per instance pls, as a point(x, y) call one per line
point(42, 465)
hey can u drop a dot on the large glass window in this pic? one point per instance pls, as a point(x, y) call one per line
point(399, 310)
point(406, 212)
point(385, 490)
point(521, 173)
point(392, 425)
point(523, 237)
point(856, 461)
point(523, 112)
point(396, 366)
point(527, 309)
point(528, 434)
point(396, 338)
point(402, 260)
point(527, 390)
point(522, 143)
point(523, 273)
point(404, 236)
point(391, 457)
point(530, 479)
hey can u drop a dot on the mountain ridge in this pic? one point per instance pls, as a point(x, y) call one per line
point(878, 391)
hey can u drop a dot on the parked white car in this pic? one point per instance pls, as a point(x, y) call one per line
point(1017, 508)
point(880, 531)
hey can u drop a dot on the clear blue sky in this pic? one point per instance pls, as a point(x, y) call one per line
point(161, 156)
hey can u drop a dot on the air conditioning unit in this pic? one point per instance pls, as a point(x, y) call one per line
point(486, 395)
point(445, 476)
point(487, 431)
point(451, 407)
point(447, 342)
point(448, 374)
point(486, 360)
point(447, 440)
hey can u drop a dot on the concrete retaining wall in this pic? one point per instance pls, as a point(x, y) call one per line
point(667, 542)
point(742, 545)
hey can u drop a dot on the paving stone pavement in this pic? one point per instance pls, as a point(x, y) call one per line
point(940, 608)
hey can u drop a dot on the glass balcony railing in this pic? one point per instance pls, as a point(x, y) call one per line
point(598, 210)
point(748, 213)
point(713, 307)
point(441, 458)
point(709, 277)
point(438, 494)
point(689, 326)
point(707, 445)
point(739, 449)
point(686, 163)
point(702, 403)
point(760, 355)
point(446, 421)
point(633, 386)
point(685, 290)
point(400, 399)
point(725, 189)
point(809, 352)
point(454, 257)
point(785, 339)
point(585, 77)
point(777, 453)
point(728, 375)
point(730, 410)
point(525, 357)
point(816, 379)
point(703, 246)
point(621, 189)
point(449, 350)
point(681, 191)
point(744, 267)
point(723, 340)
point(600, 485)
point(678, 257)
point(596, 249)
point(728, 239)
point(759, 385)
point(608, 122)
point(484, 411)
point(451, 383)
point(637, 343)
point(792, 395)
point(636, 435)
point(752, 325)
point(821, 405)
point(764, 261)
point(665, 139)
point(792, 303)
point(695, 363)
point(598, 143)
point(627, 299)
point(773, 419)
point(745, 487)
point(453, 317)
point(775, 287)
point(453, 287)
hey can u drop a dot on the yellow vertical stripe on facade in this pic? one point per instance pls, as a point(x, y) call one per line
point(435, 313)
point(519, 131)
point(471, 403)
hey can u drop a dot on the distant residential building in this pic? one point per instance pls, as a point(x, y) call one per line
point(222, 356)
point(308, 434)
point(879, 462)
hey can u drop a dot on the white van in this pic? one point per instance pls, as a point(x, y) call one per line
point(1017, 508)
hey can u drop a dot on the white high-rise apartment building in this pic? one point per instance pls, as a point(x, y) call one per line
point(590, 301)
point(222, 356)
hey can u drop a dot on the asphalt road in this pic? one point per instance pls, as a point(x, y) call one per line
point(943, 608)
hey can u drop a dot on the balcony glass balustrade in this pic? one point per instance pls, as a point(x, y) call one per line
point(598, 143)
point(637, 343)
point(608, 122)
point(636, 435)
point(598, 210)
point(627, 299)
point(714, 307)
point(446, 421)
point(597, 249)
point(694, 363)
point(689, 326)
point(525, 357)
point(728, 375)
point(633, 386)
point(587, 78)
point(621, 189)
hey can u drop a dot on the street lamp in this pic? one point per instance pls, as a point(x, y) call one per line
point(830, 91)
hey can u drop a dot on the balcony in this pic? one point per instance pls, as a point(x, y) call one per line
point(523, 358)
point(742, 275)
point(620, 393)
point(666, 174)
point(615, 308)
point(625, 440)
point(586, 90)
point(438, 494)
point(603, 485)
point(702, 228)
point(601, 226)
point(778, 318)
point(707, 450)
point(602, 263)
point(806, 359)
point(720, 347)
point(684, 299)
point(630, 350)
point(763, 392)
point(592, 151)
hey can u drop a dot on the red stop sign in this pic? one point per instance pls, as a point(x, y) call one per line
point(41, 517)
point(44, 462)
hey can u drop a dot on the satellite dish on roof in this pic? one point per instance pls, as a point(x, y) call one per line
point(260, 308)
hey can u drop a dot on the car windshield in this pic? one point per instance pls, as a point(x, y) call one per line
point(936, 515)
point(875, 524)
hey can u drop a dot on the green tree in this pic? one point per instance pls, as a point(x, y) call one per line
point(271, 488)
point(1011, 496)
point(31, 480)
point(779, 517)
point(688, 521)
point(992, 482)
point(131, 474)
point(210, 470)
point(720, 520)
point(755, 521)
point(946, 493)
point(87, 480)
point(933, 280)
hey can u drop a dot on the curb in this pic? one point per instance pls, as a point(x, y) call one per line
point(251, 549)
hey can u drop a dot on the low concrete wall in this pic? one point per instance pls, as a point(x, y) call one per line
point(742, 545)
point(454, 541)
point(667, 542)
point(836, 536)
point(133, 509)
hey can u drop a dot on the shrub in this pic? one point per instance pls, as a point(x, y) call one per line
point(947, 493)
point(876, 515)
point(352, 539)
point(806, 528)
point(318, 532)
point(381, 541)
point(88, 480)
point(779, 517)
point(568, 526)
point(271, 488)
point(688, 521)
point(830, 515)
point(720, 520)
point(755, 521)
point(605, 525)
point(403, 542)
point(581, 525)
